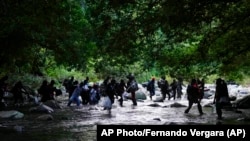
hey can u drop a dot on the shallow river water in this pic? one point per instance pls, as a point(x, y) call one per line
point(80, 124)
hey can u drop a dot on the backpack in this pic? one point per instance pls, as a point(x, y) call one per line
point(149, 86)
point(193, 93)
point(133, 86)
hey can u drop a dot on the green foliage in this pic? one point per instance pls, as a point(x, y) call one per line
point(148, 38)
point(29, 26)
point(32, 81)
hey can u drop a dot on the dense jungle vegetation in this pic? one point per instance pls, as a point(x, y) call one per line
point(96, 38)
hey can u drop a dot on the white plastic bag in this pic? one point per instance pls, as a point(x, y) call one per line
point(124, 95)
point(107, 103)
point(85, 87)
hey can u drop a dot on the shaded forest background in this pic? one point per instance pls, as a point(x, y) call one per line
point(177, 38)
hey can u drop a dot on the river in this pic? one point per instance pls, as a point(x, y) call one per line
point(80, 123)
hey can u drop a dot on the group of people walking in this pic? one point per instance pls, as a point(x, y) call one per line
point(88, 94)
point(167, 89)
point(111, 88)
point(195, 93)
point(20, 92)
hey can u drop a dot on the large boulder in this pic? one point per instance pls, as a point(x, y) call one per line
point(138, 95)
point(41, 109)
point(53, 104)
point(243, 103)
point(157, 97)
point(208, 94)
point(11, 114)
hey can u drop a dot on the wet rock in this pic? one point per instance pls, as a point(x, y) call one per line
point(154, 105)
point(158, 119)
point(177, 105)
point(243, 103)
point(53, 104)
point(41, 109)
point(165, 106)
point(138, 95)
point(45, 117)
point(11, 114)
point(246, 118)
point(241, 119)
point(34, 99)
point(158, 93)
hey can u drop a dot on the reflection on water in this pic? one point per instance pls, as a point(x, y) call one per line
point(72, 123)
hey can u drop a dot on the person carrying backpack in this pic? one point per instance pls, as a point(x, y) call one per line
point(120, 90)
point(164, 86)
point(221, 98)
point(132, 87)
point(193, 96)
point(151, 88)
point(174, 88)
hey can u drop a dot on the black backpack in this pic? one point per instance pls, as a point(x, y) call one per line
point(149, 86)
point(133, 86)
point(193, 93)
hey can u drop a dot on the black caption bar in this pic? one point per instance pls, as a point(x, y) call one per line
point(203, 132)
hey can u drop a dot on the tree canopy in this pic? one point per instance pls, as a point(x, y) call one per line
point(178, 37)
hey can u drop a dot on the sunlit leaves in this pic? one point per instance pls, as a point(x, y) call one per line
point(190, 37)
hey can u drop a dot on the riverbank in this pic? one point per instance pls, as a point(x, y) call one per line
point(79, 124)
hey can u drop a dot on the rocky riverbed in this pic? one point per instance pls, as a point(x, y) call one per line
point(80, 123)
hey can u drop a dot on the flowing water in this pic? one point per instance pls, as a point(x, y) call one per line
point(80, 124)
